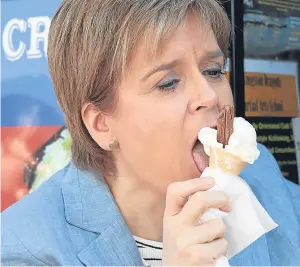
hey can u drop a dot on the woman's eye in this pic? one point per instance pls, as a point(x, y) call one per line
point(168, 86)
point(216, 74)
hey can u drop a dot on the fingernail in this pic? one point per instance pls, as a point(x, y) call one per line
point(208, 180)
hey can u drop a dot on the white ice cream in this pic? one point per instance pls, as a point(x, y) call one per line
point(242, 143)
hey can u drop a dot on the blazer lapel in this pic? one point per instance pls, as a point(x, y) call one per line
point(114, 247)
point(90, 206)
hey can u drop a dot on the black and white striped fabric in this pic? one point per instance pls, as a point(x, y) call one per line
point(151, 251)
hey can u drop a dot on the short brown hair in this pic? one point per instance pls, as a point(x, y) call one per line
point(90, 42)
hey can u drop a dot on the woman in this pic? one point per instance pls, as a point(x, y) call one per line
point(137, 80)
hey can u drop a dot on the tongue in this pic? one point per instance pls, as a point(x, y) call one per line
point(200, 157)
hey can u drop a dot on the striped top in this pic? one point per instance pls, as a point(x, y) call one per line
point(151, 251)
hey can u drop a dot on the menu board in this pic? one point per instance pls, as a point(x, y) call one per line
point(271, 27)
point(277, 135)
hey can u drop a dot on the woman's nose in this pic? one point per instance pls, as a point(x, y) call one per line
point(204, 98)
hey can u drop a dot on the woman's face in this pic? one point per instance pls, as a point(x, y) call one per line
point(163, 103)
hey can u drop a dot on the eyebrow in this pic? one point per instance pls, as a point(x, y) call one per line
point(167, 66)
point(214, 54)
point(163, 67)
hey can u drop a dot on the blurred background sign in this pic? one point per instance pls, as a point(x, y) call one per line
point(271, 88)
point(271, 27)
point(30, 114)
point(272, 51)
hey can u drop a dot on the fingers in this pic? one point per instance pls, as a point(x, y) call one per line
point(178, 193)
point(216, 248)
point(185, 241)
point(204, 254)
point(201, 202)
point(204, 233)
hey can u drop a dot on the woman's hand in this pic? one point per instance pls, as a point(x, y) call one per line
point(186, 242)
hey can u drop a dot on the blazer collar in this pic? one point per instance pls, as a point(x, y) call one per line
point(90, 206)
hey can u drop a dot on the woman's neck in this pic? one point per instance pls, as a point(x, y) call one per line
point(141, 206)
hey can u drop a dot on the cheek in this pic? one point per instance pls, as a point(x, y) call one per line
point(145, 116)
point(150, 130)
point(136, 120)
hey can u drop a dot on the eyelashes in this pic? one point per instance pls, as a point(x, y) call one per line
point(169, 86)
point(213, 75)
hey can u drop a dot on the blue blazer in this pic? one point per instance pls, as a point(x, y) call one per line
point(73, 220)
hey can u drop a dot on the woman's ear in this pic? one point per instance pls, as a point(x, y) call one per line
point(97, 125)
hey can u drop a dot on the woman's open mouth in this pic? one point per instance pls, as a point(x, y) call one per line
point(200, 158)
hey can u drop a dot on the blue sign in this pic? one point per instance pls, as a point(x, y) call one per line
point(28, 97)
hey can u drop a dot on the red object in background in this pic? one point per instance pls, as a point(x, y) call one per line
point(18, 145)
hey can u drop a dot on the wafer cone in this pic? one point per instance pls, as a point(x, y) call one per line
point(225, 161)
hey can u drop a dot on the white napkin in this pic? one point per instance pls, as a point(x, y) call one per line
point(247, 221)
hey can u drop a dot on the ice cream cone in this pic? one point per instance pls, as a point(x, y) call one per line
point(225, 161)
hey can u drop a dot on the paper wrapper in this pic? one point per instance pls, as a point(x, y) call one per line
point(228, 163)
point(248, 220)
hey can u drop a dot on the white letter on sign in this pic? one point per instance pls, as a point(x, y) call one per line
point(11, 52)
point(37, 36)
